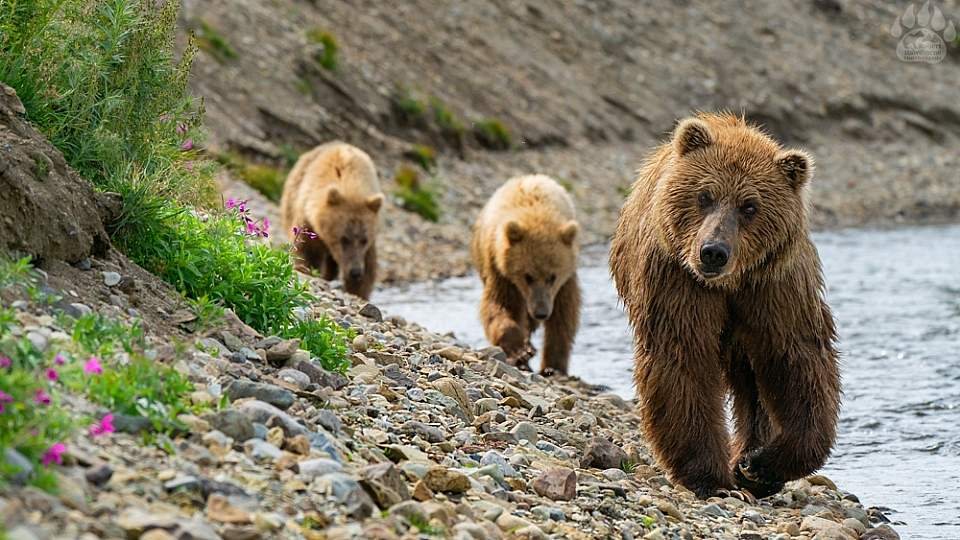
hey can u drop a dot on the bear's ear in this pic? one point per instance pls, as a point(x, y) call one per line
point(334, 197)
point(796, 165)
point(514, 232)
point(691, 134)
point(568, 233)
point(374, 202)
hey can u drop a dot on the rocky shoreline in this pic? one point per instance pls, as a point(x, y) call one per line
point(422, 437)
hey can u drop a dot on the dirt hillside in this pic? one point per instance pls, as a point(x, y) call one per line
point(584, 88)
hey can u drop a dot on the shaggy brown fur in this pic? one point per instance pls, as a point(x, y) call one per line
point(525, 250)
point(756, 325)
point(333, 192)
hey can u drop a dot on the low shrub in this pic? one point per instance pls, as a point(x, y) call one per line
point(447, 122)
point(423, 155)
point(210, 40)
point(325, 340)
point(407, 109)
point(412, 195)
point(266, 179)
point(492, 134)
point(326, 57)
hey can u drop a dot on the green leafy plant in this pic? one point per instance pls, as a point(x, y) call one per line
point(210, 40)
point(407, 109)
point(424, 526)
point(423, 155)
point(628, 466)
point(414, 196)
point(100, 335)
point(492, 134)
point(325, 340)
point(447, 122)
point(326, 57)
point(264, 178)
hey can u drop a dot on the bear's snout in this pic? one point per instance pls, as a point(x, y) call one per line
point(355, 273)
point(713, 257)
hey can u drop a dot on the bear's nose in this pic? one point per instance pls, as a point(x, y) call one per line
point(541, 313)
point(356, 273)
point(714, 255)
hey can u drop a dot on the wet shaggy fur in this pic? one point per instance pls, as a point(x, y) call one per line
point(333, 192)
point(759, 329)
point(525, 249)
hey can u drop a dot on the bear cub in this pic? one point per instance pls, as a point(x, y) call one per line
point(332, 195)
point(525, 249)
point(724, 290)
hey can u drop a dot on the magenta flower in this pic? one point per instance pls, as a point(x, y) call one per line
point(5, 397)
point(231, 203)
point(187, 145)
point(92, 366)
point(5, 362)
point(52, 375)
point(299, 232)
point(188, 165)
point(265, 229)
point(41, 397)
point(181, 128)
point(103, 427)
point(54, 454)
point(59, 360)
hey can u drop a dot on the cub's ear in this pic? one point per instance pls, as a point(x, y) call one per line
point(797, 166)
point(568, 233)
point(334, 197)
point(374, 202)
point(514, 232)
point(691, 134)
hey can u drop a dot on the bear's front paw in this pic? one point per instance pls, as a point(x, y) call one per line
point(751, 474)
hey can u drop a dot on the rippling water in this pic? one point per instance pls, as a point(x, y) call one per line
point(896, 298)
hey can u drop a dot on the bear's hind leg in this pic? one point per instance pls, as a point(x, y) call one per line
point(561, 329)
point(682, 407)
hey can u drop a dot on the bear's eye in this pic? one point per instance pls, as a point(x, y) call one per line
point(363, 241)
point(345, 240)
point(551, 279)
point(529, 279)
point(749, 209)
point(705, 200)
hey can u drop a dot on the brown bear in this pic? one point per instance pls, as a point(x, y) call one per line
point(332, 197)
point(525, 249)
point(724, 290)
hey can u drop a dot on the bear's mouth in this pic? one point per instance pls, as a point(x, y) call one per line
point(709, 273)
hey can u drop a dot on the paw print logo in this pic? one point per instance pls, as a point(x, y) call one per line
point(923, 33)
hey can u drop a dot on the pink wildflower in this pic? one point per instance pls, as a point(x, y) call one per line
point(187, 145)
point(52, 375)
point(41, 397)
point(54, 454)
point(59, 360)
point(103, 427)
point(92, 366)
point(181, 128)
point(4, 399)
point(5, 362)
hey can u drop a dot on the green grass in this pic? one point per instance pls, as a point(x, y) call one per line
point(211, 41)
point(266, 179)
point(408, 110)
point(424, 526)
point(423, 155)
point(414, 196)
point(446, 121)
point(628, 466)
point(325, 340)
point(492, 134)
point(327, 57)
point(566, 184)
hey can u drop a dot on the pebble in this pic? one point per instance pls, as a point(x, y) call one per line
point(526, 431)
point(446, 480)
point(232, 423)
point(371, 311)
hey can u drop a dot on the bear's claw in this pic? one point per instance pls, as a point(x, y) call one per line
point(755, 479)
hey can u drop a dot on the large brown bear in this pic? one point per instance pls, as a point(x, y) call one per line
point(525, 250)
point(332, 196)
point(724, 290)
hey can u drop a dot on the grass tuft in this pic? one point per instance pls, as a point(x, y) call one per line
point(447, 122)
point(492, 134)
point(327, 57)
point(423, 155)
point(414, 196)
point(325, 340)
point(408, 110)
point(264, 178)
point(211, 41)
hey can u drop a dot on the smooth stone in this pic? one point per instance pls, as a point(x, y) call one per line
point(602, 454)
point(371, 311)
point(329, 420)
point(312, 468)
point(233, 424)
point(295, 377)
point(492, 457)
point(716, 511)
point(526, 431)
point(427, 433)
point(261, 412)
point(559, 484)
point(259, 449)
point(111, 279)
point(385, 483)
point(23, 466)
point(282, 351)
point(269, 393)
point(446, 480)
point(99, 475)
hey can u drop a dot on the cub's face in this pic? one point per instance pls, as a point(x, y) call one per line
point(732, 199)
point(538, 263)
point(348, 229)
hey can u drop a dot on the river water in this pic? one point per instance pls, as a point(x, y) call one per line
point(896, 297)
